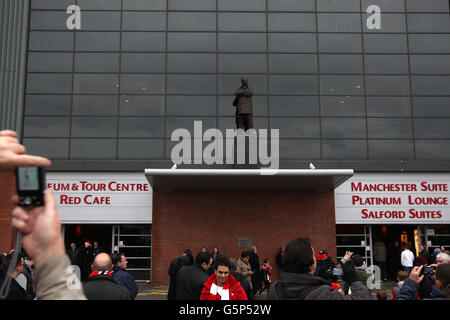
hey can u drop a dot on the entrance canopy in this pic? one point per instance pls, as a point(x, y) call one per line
point(300, 179)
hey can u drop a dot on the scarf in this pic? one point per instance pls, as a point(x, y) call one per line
point(215, 293)
point(97, 273)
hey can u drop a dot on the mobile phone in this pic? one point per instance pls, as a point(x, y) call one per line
point(337, 272)
point(30, 182)
point(428, 270)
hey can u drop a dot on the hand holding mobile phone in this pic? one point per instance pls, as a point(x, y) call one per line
point(30, 182)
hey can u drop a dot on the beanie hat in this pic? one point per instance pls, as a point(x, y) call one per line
point(88, 242)
point(335, 285)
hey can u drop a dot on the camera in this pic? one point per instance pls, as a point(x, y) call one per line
point(428, 270)
point(337, 272)
point(30, 183)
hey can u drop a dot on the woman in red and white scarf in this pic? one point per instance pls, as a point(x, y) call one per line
point(222, 285)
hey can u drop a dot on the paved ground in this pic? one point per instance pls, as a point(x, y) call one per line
point(149, 292)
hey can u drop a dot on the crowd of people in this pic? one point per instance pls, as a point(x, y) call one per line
point(44, 270)
point(304, 276)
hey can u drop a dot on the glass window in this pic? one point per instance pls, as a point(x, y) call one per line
point(143, 149)
point(380, 64)
point(51, 4)
point(49, 148)
point(388, 106)
point(242, 42)
point(385, 43)
point(390, 22)
point(51, 41)
point(429, 23)
point(429, 43)
point(97, 62)
point(305, 22)
point(191, 84)
point(343, 128)
point(46, 127)
point(296, 127)
point(387, 85)
point(338, 5)
point(291, 5)
point(174, 123)
point(242, 63)
point(133, 127)
point(97, 41)
point(432, 149)
point(431, 106)
point(238, 5)
point(49, 83)
point(307, 106)
point(391, 150)
point(341, 85)
point(99, 21)
point(389, 128)
point(429, 6)
point(229, 83)
point(192, 21)
point(143, 62)
point(339, 22)
point(342, 106)
point(191, 105)
point(99, 4)
point(430, 64)
point(246, 22)
point(144, 21)
point(340, 43)
point(190, 5)
point(292, 42)
point(340, 64)
point(187, 41)
point(293, 84)
point(344, 149)
point(96, 127)
point(143, 105)
point(294, 149)
point(191, 63)
point(50, 62)
point(431, 85)
point(96, 83)
point(48, 20)
point(102, 149)
point(292, 63)
point(143, 41)
point(142, 84)
point(94, 105)
point(144, 4)
point(429, 128)
point(41, 105)
point(385, 5)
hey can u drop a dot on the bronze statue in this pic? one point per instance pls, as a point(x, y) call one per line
point(243, 104)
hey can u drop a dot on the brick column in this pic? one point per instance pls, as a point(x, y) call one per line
point(7, 190)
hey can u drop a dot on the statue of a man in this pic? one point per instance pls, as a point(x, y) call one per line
point(243, 104)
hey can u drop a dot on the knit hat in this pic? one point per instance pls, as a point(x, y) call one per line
point(87, 242)
point(335, 285)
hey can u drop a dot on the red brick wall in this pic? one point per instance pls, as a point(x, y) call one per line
point(270, 218)
point(7, 190)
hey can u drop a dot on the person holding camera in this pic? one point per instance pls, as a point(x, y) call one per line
point(299, 283)
point(440, 291)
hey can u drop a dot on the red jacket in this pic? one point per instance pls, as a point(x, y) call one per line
point(235, 289)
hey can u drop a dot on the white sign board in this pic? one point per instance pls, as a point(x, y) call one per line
point(409, 198)
point(86, 197)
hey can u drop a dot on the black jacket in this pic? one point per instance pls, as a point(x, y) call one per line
point(295, 283)
point(74, 256)
point(244, 284)
point(189, 282)
point(103, 287)
point(16, 292)
point(174, 267)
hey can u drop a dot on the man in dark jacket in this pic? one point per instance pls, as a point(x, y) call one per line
point(238, 276)
point(298, 282)
point(190, 279)
point(101, 285)
point(121, 276)
point(74, 255)
point(244, 107)
point(174, 267)
point(440, 291)
point(16, 292)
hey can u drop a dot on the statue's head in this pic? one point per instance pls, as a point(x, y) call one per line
point(244, 81)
